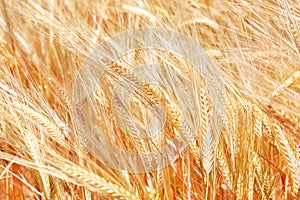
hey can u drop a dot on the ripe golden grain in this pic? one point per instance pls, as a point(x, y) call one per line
point(255, 47)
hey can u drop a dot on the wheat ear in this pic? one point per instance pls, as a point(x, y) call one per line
point(42, 120)
point(292, 161)
point(101, 184)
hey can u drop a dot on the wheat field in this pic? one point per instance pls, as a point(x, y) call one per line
point(255, 48)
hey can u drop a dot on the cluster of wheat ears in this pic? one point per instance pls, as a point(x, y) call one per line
point(255, 46)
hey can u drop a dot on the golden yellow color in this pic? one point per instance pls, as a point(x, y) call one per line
point(256, 48)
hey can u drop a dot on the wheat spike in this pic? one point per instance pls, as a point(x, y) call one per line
point(287, 83)
point(206, 134)
point(291, 159)
point(224, 168)
point(52, 128)
point(101, 184)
